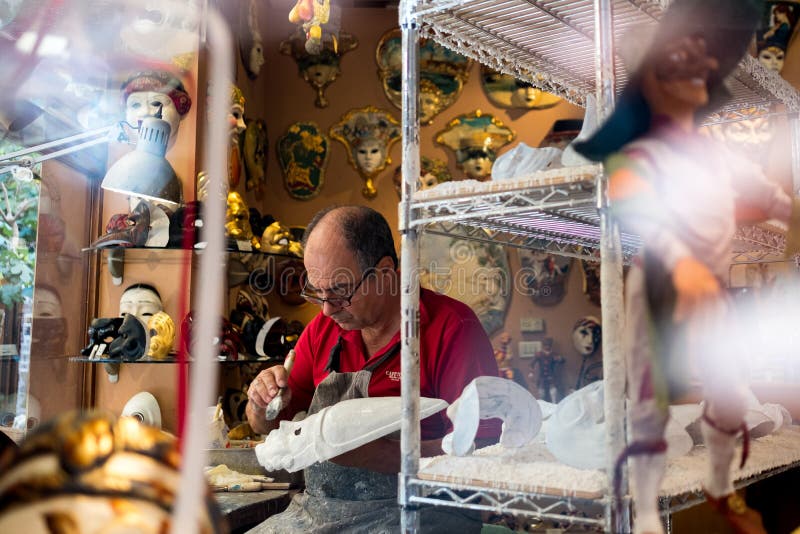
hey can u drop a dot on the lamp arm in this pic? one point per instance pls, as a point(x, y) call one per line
point(20, 158)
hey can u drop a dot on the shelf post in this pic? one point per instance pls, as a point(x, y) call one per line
point(409, 279)
point(610, 279)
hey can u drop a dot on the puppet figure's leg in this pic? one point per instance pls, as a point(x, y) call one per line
point(721, 370)
point(647, 470)
point(724, 388)
point(647, 419)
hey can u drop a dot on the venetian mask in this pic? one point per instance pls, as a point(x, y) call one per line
point(251, 46)
point(442, 74)
point(102, 332)
point(131, 341)
point(236, 113)
point(368, 134)
point(255, 153)
point(370, 154)
point(303, 154)
point(506, 91)
point(477, 164)
point(185, 220)
point(475, 138)
point(319, 70)
point(237, 218)
point(90, 472)
point(276, 238)
point(127, 229)
point(772, 58)
point(141, 301)
point(432, 173)
point(162, 335)
point(586, 336)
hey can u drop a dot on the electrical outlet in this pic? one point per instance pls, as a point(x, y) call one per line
point(528, 349)
point(531, 324)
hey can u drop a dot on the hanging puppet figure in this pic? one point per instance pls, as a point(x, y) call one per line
point(681, 193)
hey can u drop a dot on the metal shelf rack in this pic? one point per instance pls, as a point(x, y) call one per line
point(563, 47)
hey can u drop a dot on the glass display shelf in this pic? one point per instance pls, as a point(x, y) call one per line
point(199, 250)
point(173, 358)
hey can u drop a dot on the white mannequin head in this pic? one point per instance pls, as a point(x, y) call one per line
point(148, 92)
point(141, 300)
point(143, 104)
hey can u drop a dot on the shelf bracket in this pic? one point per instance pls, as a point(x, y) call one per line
point(116, 265)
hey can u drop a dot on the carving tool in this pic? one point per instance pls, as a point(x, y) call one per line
point(276, 405)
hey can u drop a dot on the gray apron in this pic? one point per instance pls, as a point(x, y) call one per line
point(351, 499)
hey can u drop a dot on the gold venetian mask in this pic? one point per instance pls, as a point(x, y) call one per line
point(162, 335)
point(237, 218)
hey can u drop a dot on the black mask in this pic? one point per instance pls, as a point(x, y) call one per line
point(102, 331)
point(131, 344)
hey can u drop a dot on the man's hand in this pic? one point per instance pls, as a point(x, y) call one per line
point(695, 285)
point(265, 387)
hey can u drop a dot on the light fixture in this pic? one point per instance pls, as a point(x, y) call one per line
point(28, 157)
point(145, 173)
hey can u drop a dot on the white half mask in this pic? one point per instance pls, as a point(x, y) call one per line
point(141, 302)
point(335, 430)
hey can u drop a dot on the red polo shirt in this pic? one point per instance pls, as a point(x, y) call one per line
point(454, 349)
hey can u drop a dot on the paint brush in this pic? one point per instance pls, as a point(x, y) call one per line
point(276, 405)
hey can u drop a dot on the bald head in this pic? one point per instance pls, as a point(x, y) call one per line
point(362, 230)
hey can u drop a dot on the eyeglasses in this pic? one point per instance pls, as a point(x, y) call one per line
point(338, 302)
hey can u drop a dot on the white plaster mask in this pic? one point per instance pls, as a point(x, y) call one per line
point(256, 55)
point(334, 430)
point(46, 303)
point(143, 104)
point(370, 155)
point(487, 397)
point(584, 340)
point(141, 302)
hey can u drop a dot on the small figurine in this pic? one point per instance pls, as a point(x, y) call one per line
point(663, 176)
point(312, 14)
point(545, 372)
point(503, 356)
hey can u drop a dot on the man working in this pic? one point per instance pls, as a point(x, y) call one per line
point(351, 350)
